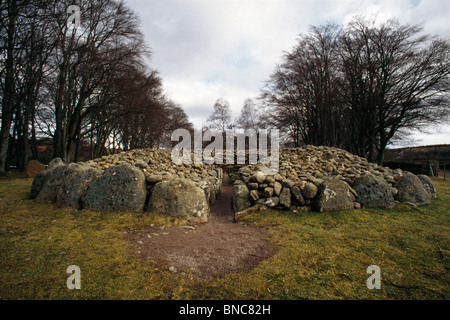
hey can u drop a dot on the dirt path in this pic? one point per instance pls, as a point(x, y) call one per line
point(211, 249)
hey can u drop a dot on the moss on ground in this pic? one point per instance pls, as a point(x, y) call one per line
point(319, 256)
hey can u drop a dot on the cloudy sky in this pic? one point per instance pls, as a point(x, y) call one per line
point(210, 49)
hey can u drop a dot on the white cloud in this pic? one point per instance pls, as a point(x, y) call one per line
point(207, 49)
point(431, 136)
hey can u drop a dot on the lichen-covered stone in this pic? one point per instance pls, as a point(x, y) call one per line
point(297, 195)
point(269, 202)
point(41, 177)
point(334, 194)
point(310, 190)
point(411, 190)
point(268, 192)
point(75, 185)
point(285, 197)
point(253, 186)
point(179, 198)
point(254, 195)
point(374, 191)
point(240, 197)
point(120, 188)
point(52, 180)
point(259, 177)
point(428, 184)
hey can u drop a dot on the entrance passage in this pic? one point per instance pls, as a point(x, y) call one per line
point(207, 250)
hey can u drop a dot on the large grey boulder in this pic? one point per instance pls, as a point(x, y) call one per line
point(241, 199)
point(56, 162)
point(179, 198)
point(374, 192)
point(77, 180)
point(40, 179)
point(38, 183)
point(51, 179)
point(411, 190)
point(120, 188)
point(334, 194)
point(428, 184)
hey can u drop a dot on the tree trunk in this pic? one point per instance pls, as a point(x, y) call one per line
point(33, 145)
point(8, 94)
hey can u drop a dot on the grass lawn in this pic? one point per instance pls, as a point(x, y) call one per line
point(319, 256)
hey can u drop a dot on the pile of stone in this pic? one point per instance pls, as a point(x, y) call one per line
point(324, 178)
point(309, 178)
point(157, 166)
point(137, 180)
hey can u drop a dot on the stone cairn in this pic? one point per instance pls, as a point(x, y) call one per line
point(137, 180)
point(323, 179)
point(309, 178)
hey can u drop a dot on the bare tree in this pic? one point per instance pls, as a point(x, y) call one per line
point(301, 94)
point(221, 117)
point(86, 57)
point(9, 11)
point(360, 86)
point(250, 117)
point(35, 46)
point(78, 84)
point(395, 78)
